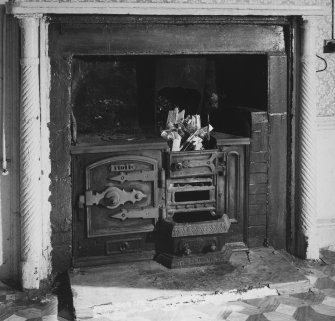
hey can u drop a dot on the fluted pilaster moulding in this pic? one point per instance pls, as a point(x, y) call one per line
point(307, 140)
point(30, 192)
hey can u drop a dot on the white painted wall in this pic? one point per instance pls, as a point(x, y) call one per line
point(326, 181)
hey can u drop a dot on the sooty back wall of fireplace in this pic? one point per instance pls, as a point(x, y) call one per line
point(133, 94)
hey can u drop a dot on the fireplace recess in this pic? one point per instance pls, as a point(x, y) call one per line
point(106, 78)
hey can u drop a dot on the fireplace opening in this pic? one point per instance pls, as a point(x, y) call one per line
point(113, 83)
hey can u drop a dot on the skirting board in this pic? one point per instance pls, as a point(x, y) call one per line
point(325, 123)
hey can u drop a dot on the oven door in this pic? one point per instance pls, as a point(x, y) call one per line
point(117, 208)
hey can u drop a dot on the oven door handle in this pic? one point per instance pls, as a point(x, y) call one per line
point(222, 168)
point(114, 196)
point(143, 176)
point(189, 163)
point(143, 213)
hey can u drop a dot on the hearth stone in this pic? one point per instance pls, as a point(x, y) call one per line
point(147, 285)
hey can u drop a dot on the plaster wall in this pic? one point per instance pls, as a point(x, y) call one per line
point(9, 99)
point(325, 140)
point(325, 181)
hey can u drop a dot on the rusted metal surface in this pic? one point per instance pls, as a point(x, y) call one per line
point(278, 145)
point(278, 87)
point(186, 38)
point(60, 141)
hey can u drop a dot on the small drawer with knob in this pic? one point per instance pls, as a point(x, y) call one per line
point(196, 245)
point(126, 245)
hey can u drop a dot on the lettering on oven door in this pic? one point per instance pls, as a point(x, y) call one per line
point(122, 167)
